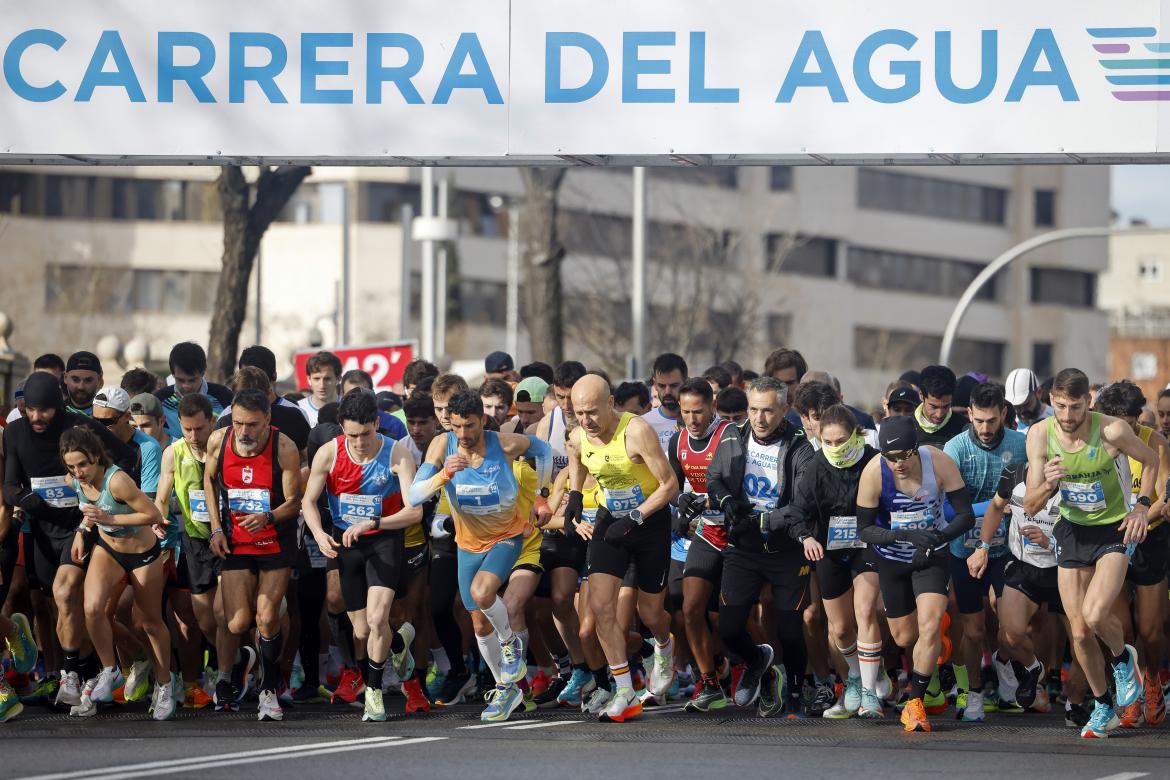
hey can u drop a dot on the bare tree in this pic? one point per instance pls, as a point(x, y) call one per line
point(248, 210)
point(541, 256)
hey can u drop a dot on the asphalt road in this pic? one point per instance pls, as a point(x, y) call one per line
point(326, 741)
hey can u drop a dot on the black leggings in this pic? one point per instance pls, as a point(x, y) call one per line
point(9, 552)
point(789, 628)
point(443, 579)
point(311, 599)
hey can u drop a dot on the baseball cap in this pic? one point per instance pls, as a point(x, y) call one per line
point(498, 362)
point(904, 395)
point(963, 388)
point(533, 389)
point(898, 434)
point(911, 376)
point(146, 403)
point(112, 397)
point(1020, 383)
point(388, 399)
point(83, 361)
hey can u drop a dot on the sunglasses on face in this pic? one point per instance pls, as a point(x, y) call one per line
point(110, 422)
point(899, 456)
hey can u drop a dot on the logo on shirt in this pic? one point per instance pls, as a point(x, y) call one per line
point(246, 475)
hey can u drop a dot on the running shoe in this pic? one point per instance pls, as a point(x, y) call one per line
point(44, 691)
point(849, 703)
point(22, 645)
point(935, 703)
point(539, 683)
point(456, 688)
point(69, 692)
point(512, 664)
point(973, 711)
point(435, 681)
point(1042, 703)
point(549, 697)
point(137, 681)
point(308, 695)
point(580, 685)
point(375, 709)
point(242, 677)
point(871, 705)
point(1126, 680)
point(10, 705)
point(104, 684)
point(597, 701)
point(748, 688)
point(86, 708)
point(403, 662)
point(623, 706)
point(1009, 682)
point(1075, 715)
point(349, 687)
point(1130, 716)
point(685, 682)
point(662, 671)
point(914, 716)
point(416, 700)
point(708, 696)
point(772, 692)
point(1155, 703)
point(226, 696)
point(194, 697)
point(502, 702)
point(1101, 722)
point(886, 690)
point(822, 699)
point(1029, 683)
point(162, 706)
point(269, 707)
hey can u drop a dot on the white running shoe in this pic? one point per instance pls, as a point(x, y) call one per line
point(108, 680)
point(69, 691)
point(403, 662)
point(269, 708)
point(163, 707)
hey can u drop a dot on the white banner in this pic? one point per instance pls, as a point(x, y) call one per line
point(523, 80)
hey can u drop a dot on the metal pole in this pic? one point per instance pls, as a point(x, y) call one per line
point(1007, 257)
point(406, 220)
point(513, 310)
point(259, 290)
point(427, 318)
point(441, 277)
point(346, 218)
point(638, 287)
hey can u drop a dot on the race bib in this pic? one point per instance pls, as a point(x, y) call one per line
point(198, 500)
point(56, 491)
point(971, 541)
point(1044, 522)
point(317, 559)
point(1086, 496)
point(910, 521)
point(356, 507)
point(252, 501)
point(478, 499)
point(621, 502)
point(589, 516)
point(843, 534)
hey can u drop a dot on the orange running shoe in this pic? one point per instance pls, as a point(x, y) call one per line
point(195, 697)
point(1155, 709)
point(540, 683)
point(914, 716)
point(416, 700)
point(349, 687)
point(1131, 716)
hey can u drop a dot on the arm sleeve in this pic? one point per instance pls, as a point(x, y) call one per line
point(429, 480)
point(868, 530)
point(800, 519)
point(541, 453)
point(123, 454)
point(964, 520)
point(13, 473)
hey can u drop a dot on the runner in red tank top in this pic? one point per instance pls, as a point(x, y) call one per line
point(253, 485)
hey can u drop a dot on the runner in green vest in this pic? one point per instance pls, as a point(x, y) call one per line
point(1075, 452)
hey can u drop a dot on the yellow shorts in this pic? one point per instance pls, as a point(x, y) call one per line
point(530, 553)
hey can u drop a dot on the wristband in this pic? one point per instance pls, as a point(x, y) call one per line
point(984, 545)
point(270, 518)
point(84, 529)
point(215, 531)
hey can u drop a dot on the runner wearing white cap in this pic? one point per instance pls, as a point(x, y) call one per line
point(1022, 390)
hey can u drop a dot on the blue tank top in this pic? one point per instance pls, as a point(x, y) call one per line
point(898, 511)
point(110, 504)
point(483, 499)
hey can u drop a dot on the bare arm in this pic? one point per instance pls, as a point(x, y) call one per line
point(166, 481)
point(322, 464)
point(642, 441)
point(1043, 475)
point(210, 473)
point(1158, 444)
point(290, 480)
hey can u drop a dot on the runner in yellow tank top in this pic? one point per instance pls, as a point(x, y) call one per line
point(623, 454)
point(1148, 568)
point(1092, 551)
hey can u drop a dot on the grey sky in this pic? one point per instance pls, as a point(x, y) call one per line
point(1142, 191)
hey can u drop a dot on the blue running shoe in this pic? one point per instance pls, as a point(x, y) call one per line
point(580, 685)
point(502, 702)
point(24, 648)
point(435, 682)
point(1101, 722)
point(1125, 677)
point(512, 665)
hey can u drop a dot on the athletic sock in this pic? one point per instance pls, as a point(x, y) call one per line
point(621, 676)
point(918, 684)
point(850, 656)
point(962, 680)
point(497, 615)
point(374, 670)
point(601, 678)
point(71, 657)
point(270, 648)
point(489, 650)
point(1121, 657)
point(935, 686)
point(89, 666)
point(442, 662)
point(869, 658)
point(664, 648)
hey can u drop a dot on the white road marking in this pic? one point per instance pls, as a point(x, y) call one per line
point(196, 763)
point(545, 724)
point(1124, 776)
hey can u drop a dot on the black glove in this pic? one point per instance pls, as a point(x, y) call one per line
point(449, 525)
point(32, 503)
point(573, 510)
point(620, 530)
point(922, 538)
point(922, 556)
point(745, 530)
point(690, 505)
point(681, 524)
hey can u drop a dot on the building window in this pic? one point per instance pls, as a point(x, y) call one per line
point(780, 178)
point(803, 255)
point(779, 329)
point(1068, 288)
point(1143, 366)
point(1042, 359)
point(1149, 269)
point(930, 197)
point(107, 197)
point(896, 350)
point(609, 235)
point(888, 270)
point(97, 289)
point(1045, 208)
point(383, 201)
point(725, 176)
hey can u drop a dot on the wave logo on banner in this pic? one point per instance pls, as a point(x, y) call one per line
point(1139, 73)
